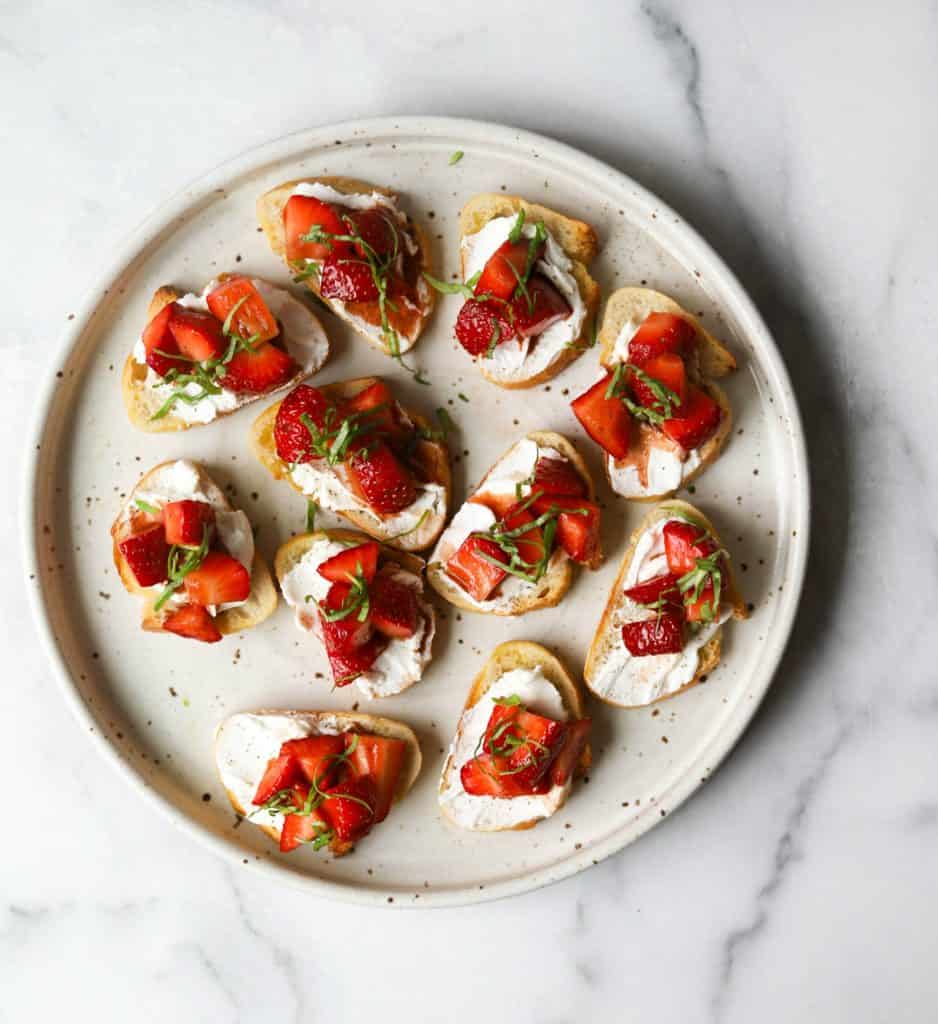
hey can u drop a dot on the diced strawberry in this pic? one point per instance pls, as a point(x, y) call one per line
point(345, 634)
point(394, 608)
point(381, 479)
point(347, 665)
point(704, 609)
point(480, 325)
point(489, 776)
point(194, 622)
point(558, 477)
point(377, 229)
point(146, 553)
point(377, 401)
point(281, 773)
point(663, 587)
point(316, 758)
point(197, 333)
point(661, 634)
point(350, 806)
point(290, 433)
point(477, 576)
point(504, 269)
point(258, 370)
point(381, 758)
point(684, 543)
point(186, 520)
point(300, 215)
point(252, 318)
point(530, 541)
point(543, 738)
point(299, 829)
point(577, 525)
point(661, 332)
point(700, 417)
point(348, 279)
point(158, 339)
point(668, 369)
point(347, 564)
point(606, 420)
point(542, 306)
point(220, 579)
point(568, 757)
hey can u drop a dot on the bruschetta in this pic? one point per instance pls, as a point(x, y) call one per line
point(366, 604)
point(180, 545)
point(354, 247)
point(352, 449)
point(204, 356)
point(662, 628)
point(510, 549)
point(520, 741)
point(315, 778)
point(530, 303)
point(656, 411)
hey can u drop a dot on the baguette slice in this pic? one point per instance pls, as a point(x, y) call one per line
point(270, 217)
point(432, 456)
point(608, 634)
point(578, 241)
point(139, 401)
point(345, 721)
point(506, 657)
point(552, 586)
point(715, 361)
point(261, 601)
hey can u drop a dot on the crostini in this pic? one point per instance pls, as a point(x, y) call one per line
point(662, 628)
point(530, 301)
point(365, 603)
point(352, 449)
point(520, 741)
point(179, 544)
point(353, 246)
point(316, 778)
point(204, 356)
point(510, 548)
point(656, 411)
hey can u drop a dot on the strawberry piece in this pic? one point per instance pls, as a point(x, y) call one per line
point(347, 665)
point(146, 553)
point(259, 370)
point(530, 542)
point(349, 807)
point(489, 776)
point(539, 309)
point(662, 634)
point(186, 520)
point(252, 318)
point(504, 269)
point(281, 773)
point(194, 622)
point(668, 369)
point(700, 417)
point(347, 564)
point(606, 420)
point(381, 758)
point(316, 758)
point(558, 477)
point(377, 229)
point(382, 410)
point(345, 634)
point(474, 574)
point(220, 579)
point(663, 587)
point(300, 215)
point(577, 525)
point(290, 433)
point(299, 829)
point(704, 609)
point(157, 339)
point(684, 543)
point(197, 333)
point(348, 280)
point(394, 609)
point(480, 323)
point(564, 765)
point(543, 738)
point(381, 479)
point(661, 332)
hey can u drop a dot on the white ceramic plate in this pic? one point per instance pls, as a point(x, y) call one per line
point(152, 702)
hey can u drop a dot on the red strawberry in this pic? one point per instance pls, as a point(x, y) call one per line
point(531, 540)
point(704, 609)
point(700, 417)
point(157, 339)
point(300, 215)
point(350, 806)
point(377, 229)
point(504, 269)
point(480, 324)
point(316, 757)
point(146, 553)
point(606, 420)
point(347, 564)
point(577, 525)
point(186, 520)
point(194, 622)
point(281, 773)
point(558, 477)
point(658, 635)
point(661, 332)
point(662, 587)
point(253, 317)
point(489, 776)
point(542, 306)
point(290, 434)
point(394, 609)
point(382, 410)
point(348, 280)
point(475, 575)
point(345, 634)
point(684, 543)
point(378, 475)
point(298, 829)
point(347, 665)
point(668, 369)
point(220, 579)
point(197, 333)
point(381, 759)
point(526, 742)
point(257, 371)
point(568, 757)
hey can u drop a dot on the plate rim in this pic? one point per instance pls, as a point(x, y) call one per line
point(159, 219)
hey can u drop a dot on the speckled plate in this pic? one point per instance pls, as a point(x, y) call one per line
point(151, 702)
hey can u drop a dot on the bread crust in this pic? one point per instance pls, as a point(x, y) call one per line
point(576, 238)
point(552, 586)
point(604, 637)
point(270, 217)
point(524, 654)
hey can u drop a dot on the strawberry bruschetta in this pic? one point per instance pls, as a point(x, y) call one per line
point(365, 603)
point(511, 546)
point(520, 741)
point(530, 302)
point(203, 356)
point(662, 627)
point(358, 251)
point(179, 544)
point(315, 778)
point(656, 411)
point(352, 449)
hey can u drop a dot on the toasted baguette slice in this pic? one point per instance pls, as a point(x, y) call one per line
point(261, 601)
point(270, 217)
point(141, 403)
point(432, 456)
point(578, 241)
point(344, 721)
point(609, 632)
point(551, 587)
point(714, 361)
point(506, 657)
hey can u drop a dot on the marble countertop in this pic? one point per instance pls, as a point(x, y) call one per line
point(799, 883)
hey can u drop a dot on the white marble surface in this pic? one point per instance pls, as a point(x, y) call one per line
point(800, 883)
